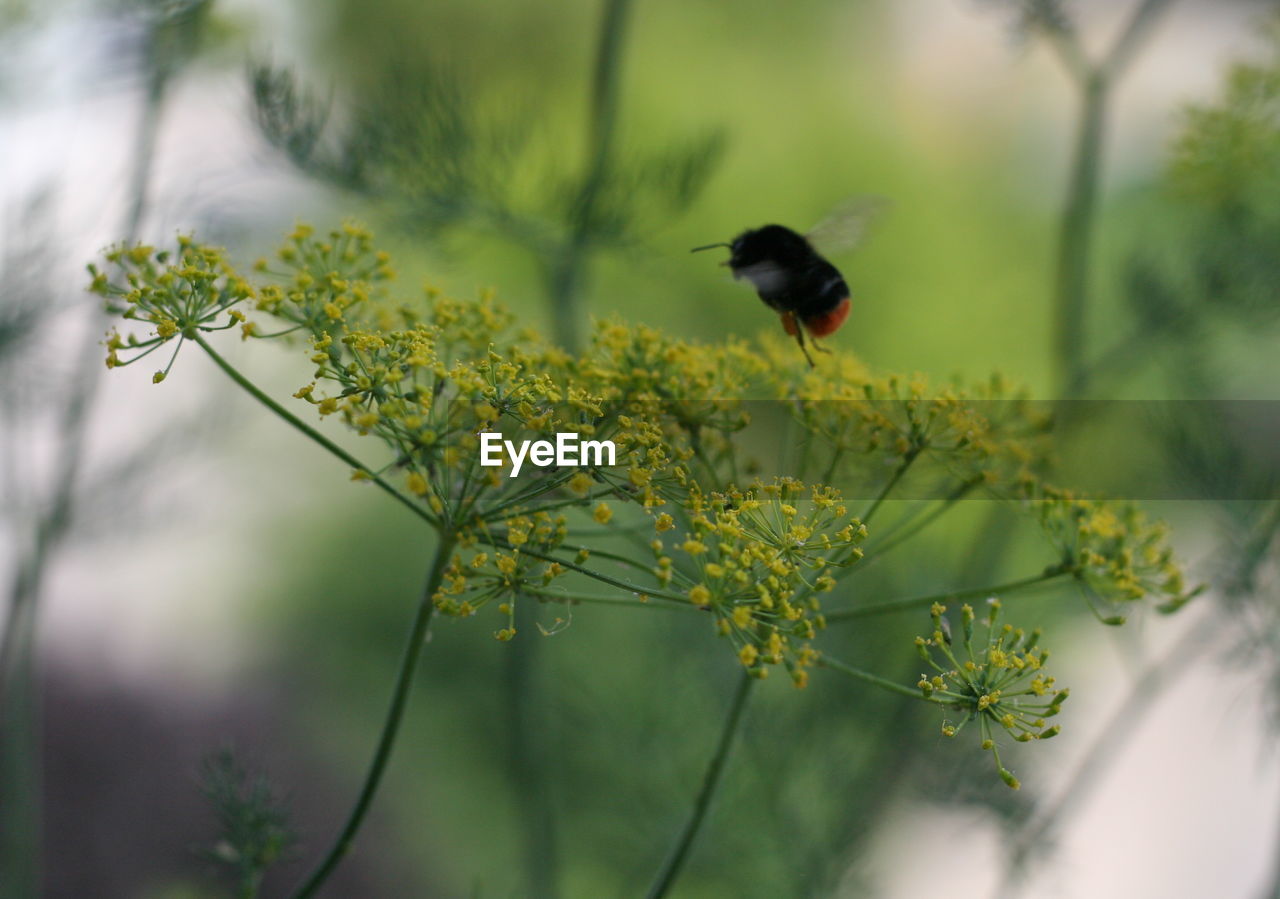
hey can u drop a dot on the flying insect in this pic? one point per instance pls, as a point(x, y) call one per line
point(793, 278)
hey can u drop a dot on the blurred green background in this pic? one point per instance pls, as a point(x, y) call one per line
point(964, 124)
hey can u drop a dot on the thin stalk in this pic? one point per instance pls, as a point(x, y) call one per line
point(20, 843)
point(873, 679)
point(611, 556)
point(916, 602)
point(889, 541)
point(522, 698)
point(893, 482)
point(568, 270)
point(710, 782)
point(391, 725)
point(253, 390)
point(1079, 212)
point(1137, 29)
point(1273, 887)
point(1076, 235)
point(597, 599)
point(499, 543)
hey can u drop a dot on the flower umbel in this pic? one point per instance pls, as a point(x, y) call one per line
point(758, 560)
point(1000, 684)
point(1116, 553)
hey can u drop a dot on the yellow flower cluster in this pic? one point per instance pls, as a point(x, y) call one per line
point(988, 435)
point(424, 379)
point(320, 283)
point(1115, 552)
point(177, 293)
point(1001, 683)
point(504, 569)
point(758, 560)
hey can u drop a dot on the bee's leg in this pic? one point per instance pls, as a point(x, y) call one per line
point(813, 342)
point(803, 349)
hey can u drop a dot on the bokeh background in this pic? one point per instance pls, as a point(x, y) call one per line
point(203, 580)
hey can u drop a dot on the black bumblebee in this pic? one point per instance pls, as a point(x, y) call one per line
point(792, 278)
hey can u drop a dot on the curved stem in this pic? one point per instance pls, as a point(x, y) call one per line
point(390, 727)
point(526, 742)
point(568, 270)
point(1075, 241)
point(893, 482)
point(911, 529)
point(596, 599)
point(1135, 31)
point(873, 679)
point(711, 780)
point(20, 838)
point(499, 543)
point(916, 602)
point(253, 390)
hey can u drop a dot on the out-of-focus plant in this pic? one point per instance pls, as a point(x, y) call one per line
point(1095, 79)
point(254, 827)
point(1209, 274)
point(44, 491)
point(756, 559)
point(416, 139)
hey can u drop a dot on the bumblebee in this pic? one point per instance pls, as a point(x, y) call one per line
point(794, 279)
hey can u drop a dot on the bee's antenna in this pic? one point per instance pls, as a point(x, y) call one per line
point(710, 246)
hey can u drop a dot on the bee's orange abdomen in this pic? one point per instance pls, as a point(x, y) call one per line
point(827, 322)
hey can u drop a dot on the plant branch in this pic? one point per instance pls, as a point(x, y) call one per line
point(568, 269)
point(310, 432)
point(916, 602)
point(893, 482)
point(21, 848)
point(711, 780)
point(909, 530)
point(522, 701)
point(597, 599)
point(390, 727)
point(1137, 29)
point(499, 543)
point(873, 679)
point(1076, 232)
point(1079, 212)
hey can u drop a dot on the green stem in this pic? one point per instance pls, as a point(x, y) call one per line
point(909, 530)
point(893, 482)
point(390, 727)
point(526, 758)
point(568, 270)
point(20, 841)
point(874, 679)
point(605, 554)
point(1135, 31)
point(596, 599)
point(20, 761)
point(916, 602)
point(1079, 212)
point(499, 543)
point(1075, 240)
point(306, 429)
point(710, 782)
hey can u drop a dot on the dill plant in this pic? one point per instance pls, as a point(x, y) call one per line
point(760, 560)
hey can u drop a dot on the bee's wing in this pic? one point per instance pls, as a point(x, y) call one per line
point(846, 226)
point(766, 277)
